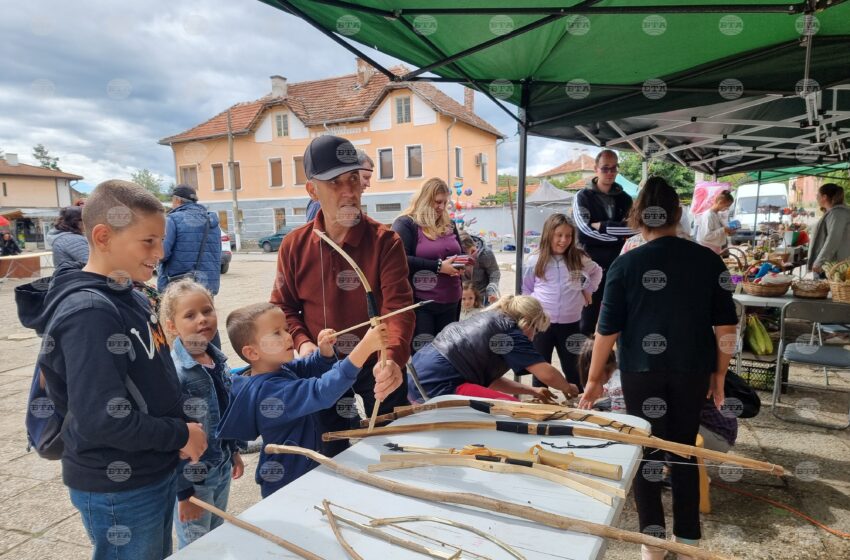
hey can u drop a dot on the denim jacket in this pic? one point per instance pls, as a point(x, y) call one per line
point(202, 392)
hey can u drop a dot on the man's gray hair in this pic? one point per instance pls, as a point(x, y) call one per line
point(363, 158)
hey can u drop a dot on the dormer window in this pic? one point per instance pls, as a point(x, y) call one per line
point(402, 110)
point(281, 121)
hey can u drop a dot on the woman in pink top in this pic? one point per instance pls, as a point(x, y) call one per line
point(562, 277)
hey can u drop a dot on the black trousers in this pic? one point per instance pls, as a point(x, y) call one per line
point(555, 338)
point(671, 402)
point(344, 415)
point(603, 256)
point(431, 319)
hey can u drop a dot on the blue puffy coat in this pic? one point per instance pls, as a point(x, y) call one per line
point(184, 230)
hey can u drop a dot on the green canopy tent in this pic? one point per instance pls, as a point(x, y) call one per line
point(627, 73)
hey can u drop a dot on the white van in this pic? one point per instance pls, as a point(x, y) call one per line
point(772, 198)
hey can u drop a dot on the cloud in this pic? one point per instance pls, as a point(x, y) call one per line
point(100, 83)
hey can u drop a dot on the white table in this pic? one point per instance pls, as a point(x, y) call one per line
point(777, 302)
point(290, 514)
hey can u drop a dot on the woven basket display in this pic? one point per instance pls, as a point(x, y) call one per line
point(840, 291)
point(765, 290)
point(812, 289)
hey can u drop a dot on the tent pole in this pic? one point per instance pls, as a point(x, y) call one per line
point(756, 213)
point(520, 219)
point(644, 164)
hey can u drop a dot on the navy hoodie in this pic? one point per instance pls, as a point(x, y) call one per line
point(279, 406)
point(87, 354)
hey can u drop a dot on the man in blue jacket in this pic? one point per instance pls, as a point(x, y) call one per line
point(186, 249)
point(601, 210)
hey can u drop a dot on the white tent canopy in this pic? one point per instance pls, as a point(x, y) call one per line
point(547, 193)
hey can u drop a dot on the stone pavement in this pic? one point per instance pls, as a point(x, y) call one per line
point(38, 521)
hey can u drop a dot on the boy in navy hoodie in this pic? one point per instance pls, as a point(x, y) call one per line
point(108, 371)
point(277, 395)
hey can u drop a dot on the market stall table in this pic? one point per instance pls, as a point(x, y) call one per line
point(290, 513)
point(25, 265)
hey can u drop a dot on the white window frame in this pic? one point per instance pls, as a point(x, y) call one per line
point(295, 172)
point(485, 167)
point(459, 162)
point(388, 204)
point(398, 99)
point(407, 174)
point(223, 165)
point(378, 164)
point(269, 169)
point(286, 119)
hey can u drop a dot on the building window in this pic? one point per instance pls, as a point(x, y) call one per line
point(300, 175)
point(276, 172)
point(4, 190)
point(385, 163)
point(281, 122)
point(299, 211)
point(414, 161)
point(483, 168)
point(402, 110)
point(218, 177)
point(459, 162)
point(237, 176)
point(189, 176)
point(394, 207)
point(222, 220)
point(279, 218)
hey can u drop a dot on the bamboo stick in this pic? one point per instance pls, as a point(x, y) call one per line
point(499, 506)
point(232, 519)
point(382, 317)
point(556, 429)
point(337, 533)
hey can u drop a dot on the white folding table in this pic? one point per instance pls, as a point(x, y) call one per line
point(290, 512)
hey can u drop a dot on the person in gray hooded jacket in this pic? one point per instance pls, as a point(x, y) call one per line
point(66, 238)
point(831, 239)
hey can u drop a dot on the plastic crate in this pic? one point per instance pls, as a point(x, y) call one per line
point(760, 374)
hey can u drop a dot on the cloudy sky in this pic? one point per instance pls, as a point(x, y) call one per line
point(98, 83)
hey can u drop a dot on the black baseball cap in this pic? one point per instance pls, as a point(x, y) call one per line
point(328, 157)
point(185, 192)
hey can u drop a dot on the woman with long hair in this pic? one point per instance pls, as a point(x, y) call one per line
point(668, 307)
point(66, 239)
point(563, 278)
point(831, 240)
point(432, 244)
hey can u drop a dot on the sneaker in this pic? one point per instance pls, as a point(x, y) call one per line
point(652, 553)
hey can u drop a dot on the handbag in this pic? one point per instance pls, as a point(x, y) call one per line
point(193, 273)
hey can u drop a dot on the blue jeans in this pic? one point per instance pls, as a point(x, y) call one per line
point(215, 490)
point(129, 525)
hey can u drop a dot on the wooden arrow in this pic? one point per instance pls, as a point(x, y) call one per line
point(534, 428)
point(381, 318)
point(498, 506)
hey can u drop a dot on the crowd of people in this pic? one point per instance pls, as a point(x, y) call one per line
point(166, 417)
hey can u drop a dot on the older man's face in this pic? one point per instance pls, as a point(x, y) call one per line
point(606, 170)
point(340, 198)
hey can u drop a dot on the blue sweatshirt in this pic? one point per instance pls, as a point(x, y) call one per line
point(279, 406)
point(94, 342)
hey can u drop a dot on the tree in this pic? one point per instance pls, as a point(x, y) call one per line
point(40, 153)
point(568, 179)
point(153, 183)
point(680, 178)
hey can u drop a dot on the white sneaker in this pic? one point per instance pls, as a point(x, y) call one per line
point(652, 553)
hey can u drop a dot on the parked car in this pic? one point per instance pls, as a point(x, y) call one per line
point(226, 254)
point(772, 198)
point(271, 243)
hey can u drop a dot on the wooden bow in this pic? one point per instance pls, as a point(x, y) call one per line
point(371, 307)
point(498, 506)
point(528, 411)
point(534, 428)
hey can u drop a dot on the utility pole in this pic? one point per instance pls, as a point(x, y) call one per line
point(237, 223)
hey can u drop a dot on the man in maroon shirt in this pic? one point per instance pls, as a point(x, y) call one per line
point(317, 288)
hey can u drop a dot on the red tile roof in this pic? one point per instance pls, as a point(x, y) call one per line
point(583, 163)
point(331, 100)
point(24, 170)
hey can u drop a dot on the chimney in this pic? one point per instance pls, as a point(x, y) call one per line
point(11, 159)
point(364, 72)
point(278, 86)
point(469, 99)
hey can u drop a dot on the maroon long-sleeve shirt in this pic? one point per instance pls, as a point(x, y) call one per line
point(304, 268)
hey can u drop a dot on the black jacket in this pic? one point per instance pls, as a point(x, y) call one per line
point(408, 230)
point(8, 247)
point(88, 351)
point(611, 210)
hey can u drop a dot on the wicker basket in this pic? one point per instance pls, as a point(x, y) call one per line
point(765, 290)
point(840, 291)
point(812, 289)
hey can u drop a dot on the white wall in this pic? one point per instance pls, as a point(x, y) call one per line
point(264, 130)
point(381, 119)
point(422, 112)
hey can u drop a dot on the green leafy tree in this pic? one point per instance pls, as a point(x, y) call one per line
point(150, 181)
point(680, 178)
point(40, 153)
point(568, 179)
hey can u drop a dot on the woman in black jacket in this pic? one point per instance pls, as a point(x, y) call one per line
point(8, 247)
point(432, 244)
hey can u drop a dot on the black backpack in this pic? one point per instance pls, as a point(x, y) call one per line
point(44, 423)
point(735, 387)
